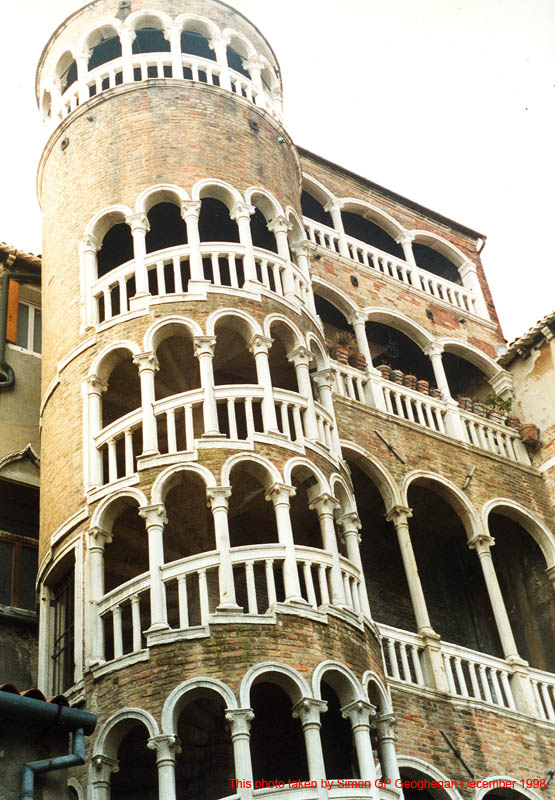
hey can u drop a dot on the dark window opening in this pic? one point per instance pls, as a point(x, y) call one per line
point(261, 236)
point(106, 50)
point(150, 40)
point(215, 224)
point(19, 509)
point(366, 231)
point(167, 227)
point(465, 379)
point(63, 658)
point(337, 740)
point(313, 209)
point(124, 390)
point(137, 776)
point(196, 45)
point(390, 346)
point(69, 76)
point(116, 249)
point(252, 519)
point(435, 262)
point(235, 62)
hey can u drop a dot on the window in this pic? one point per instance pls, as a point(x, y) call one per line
point(63, 601)
point(28, 334)
point(19, 530)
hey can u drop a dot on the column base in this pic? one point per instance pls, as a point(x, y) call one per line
point(297, 600)
point(139, 302)
point(158, 626)
point(198, 286)
point(253, 285)
point(229, 608)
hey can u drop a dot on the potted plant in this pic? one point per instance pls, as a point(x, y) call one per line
point(409, 381)
point(385, 370)
point(464, 402)
point(513, 422)
point(478, 408)
point(396, 376)
point(434, 392)
point(497, 408)
point(529, 433)
point(357, 359)
point(339, 349)
point(423, 386)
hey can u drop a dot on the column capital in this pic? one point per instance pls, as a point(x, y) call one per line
point(350, 523)
point(323, 378)
point(171, 30)
point(280, 224)
point(333, 205)
point(218, 496)
point(399, 514)
point(254, 62)
point(260, 344)
point(357, 318)
point(138, 222)
point(89, 244)
point(190, 208)
point(467, 268)
point(219, 40)
point(98, 538)
point(300, 355)
point(324, 504)
point(204, 345)
point(502, 383)
point(300, 248)
point(146, 362)
point(433, 349)
point(280, 493)
point(550, 572)
point(481, 542)
point(240, 721)
point(166, 745)
point(104, 766)
point(95, 385)
point(245, 210)
point(153, 515)
point(386, 726)
point(308, 710)
point(359, 712)
point(128, 34)
point(405, 237)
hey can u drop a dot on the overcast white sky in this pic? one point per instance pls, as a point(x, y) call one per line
point(448, 102)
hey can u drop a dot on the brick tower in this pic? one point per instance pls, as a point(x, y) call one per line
point(266, 520)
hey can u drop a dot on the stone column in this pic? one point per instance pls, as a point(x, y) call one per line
point(148, 365)
point(259, 346)
point(280, 227)
point(280, 494)
point(359, 713)
point(240, 723)
point(469, 277)
point(139, 228)
point(308, 711)
point(405, 239)
point(173, 34)
point(218, 503)
point(301, 358)
point(219, 45)
point(453, 423)
point(56, 99)
point(155, 519)
point(301, 251)
point(166, 746)
point(102, 769)
point(358, 321)
point(190, 211)
point(242, 213)
point(204, 351)
point(334, 209)
point(400, 515)
point(324, 381)
point(351, 525)
point(88, 249)
point(97, 539)
point(95, 389)
point(324, 506)
point(254, 65)
point(82, 62)
point(127, 37)
point(385, 727)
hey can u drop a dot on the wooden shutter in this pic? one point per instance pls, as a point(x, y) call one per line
point(13, 305)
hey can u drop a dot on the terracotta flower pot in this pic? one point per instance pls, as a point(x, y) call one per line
point(340, 353)
point(529, 433)
point(435, 392)
point(385, 369)
point(464, 402)
point(423, 386)
point(396, 376)
point(513, 422)
point(478, 408)
point(357, 360)
point(495, 416)
point(409, 381)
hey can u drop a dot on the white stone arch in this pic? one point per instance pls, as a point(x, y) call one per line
point(219, 190)
point(86, 41)
point(262, 462)
point(450, 493)
point(105, 219)
point(195, 23)
point(344, 682)
point(371, 677)
point(320, 356)
point(318, 190)
point(300, 461)
point(123, 720)
point(109, 507)
point(74, 784)
point(150, 15)
point(295, 331)
point(469, 352)
point(427, 770)
point(379, 475)
point(160, 193)
point(63, 62)
point(539, 532)
point(297, 234)
point(372, 213)
point(336, 296)
point(518, 790)
point(246, 48)
point(153, 335)
point(167, 478)
point(174, 704)
point(401, 322)
point(287, 677)
point(345, 495)
point(253, 325)
point(267, 203)
point(441, 245)
point(106, 360)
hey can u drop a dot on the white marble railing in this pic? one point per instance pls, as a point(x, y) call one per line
point(477, 676)
point(191, 591)
point(495, 437)
point(143, 66)
point(169, 273)
point(116, 448)
point(178, 413)
point(543, 686)
point(392, 267)
point(403, 655)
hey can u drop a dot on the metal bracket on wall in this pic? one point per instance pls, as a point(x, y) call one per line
point(390, 447)
point(457, 753)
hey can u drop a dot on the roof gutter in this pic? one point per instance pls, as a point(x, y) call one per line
point(7, 375)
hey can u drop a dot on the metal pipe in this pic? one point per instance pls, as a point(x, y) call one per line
point(74, 759)
point(5, 368)
point(42, 716)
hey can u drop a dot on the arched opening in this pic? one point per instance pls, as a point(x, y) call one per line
point(205, 765)
point(468, 384)
point(167, 227)
point(526, 589)
point(125, 557)
point(365, 230)
point(233, 361)
point(124, 390)
point(340, 757)
point(106, 46)
point(390, 347)
point(215, 224)
point(313, 209)
point(46, 106)
point(304, 521)
point(277, 743)
point(452, 580)
point(282, 370)
point(261, 235)
point(188, 532)
point(504, 793)
point(150, 39)
point(435, 262)
point(340, 336)
point(412, 777)
point(236, 60)
point(178, 369)
point(61, 584)
point(116, 248)
point(196, 44)
point(137, 775)
point(66, 71)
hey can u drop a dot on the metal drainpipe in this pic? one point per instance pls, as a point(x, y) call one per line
point(5, 368)
point(74, 759)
